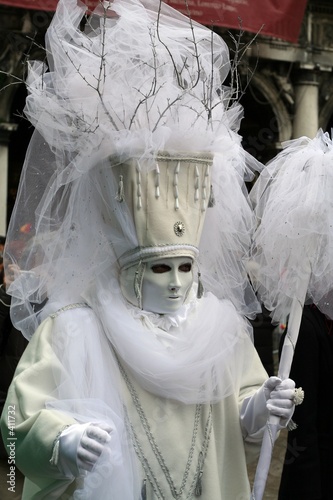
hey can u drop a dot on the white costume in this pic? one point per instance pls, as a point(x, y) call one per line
point(142, 170)
point(218, 433)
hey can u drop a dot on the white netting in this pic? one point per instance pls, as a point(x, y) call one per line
point(293, 203)
point(139, 81)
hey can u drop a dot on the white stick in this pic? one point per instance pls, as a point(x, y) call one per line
point(286, 359)
point(290, 340)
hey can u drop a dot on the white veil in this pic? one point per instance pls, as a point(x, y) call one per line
point(141, 77)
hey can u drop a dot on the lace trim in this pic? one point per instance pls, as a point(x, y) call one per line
point(55, 448)
point(67, 308)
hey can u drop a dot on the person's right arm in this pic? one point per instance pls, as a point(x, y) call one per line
point(25, 416)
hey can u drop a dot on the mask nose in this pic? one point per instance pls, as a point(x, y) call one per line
point(175, 283)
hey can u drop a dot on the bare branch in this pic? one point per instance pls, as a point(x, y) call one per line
point(239, 54)
point(178, 72)
point(189, 74)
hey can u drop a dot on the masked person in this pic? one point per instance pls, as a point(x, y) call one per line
point(140, 379)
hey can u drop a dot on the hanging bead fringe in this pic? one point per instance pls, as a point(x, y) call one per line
point(137, 284)
point(144, 490)
point(198, 486)
point(120, 193)
point(211, 201)
point(200, 290)
point(292, 425)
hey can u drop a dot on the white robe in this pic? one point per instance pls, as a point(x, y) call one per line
point(170, 424)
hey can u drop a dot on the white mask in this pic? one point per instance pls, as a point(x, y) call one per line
point(166, 284)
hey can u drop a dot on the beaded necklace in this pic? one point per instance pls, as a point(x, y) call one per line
point(196, 484)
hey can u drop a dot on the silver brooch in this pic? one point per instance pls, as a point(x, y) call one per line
point(179, 228)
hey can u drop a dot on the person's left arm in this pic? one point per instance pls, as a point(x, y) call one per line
point(274, 397)
point(261, 395)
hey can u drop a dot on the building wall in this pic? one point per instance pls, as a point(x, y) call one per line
point(21, 37)
point(290, 92)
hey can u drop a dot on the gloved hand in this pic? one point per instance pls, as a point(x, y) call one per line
point(280, 398)
point(275, 397)
point(79, 446)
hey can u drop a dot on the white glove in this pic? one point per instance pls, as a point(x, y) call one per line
point(275, 397)
point(280, 399)
point(79, 446)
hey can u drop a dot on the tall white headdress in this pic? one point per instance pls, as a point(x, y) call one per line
point(135, 100)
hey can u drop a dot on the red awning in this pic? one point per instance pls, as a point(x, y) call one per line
point(277, 18)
